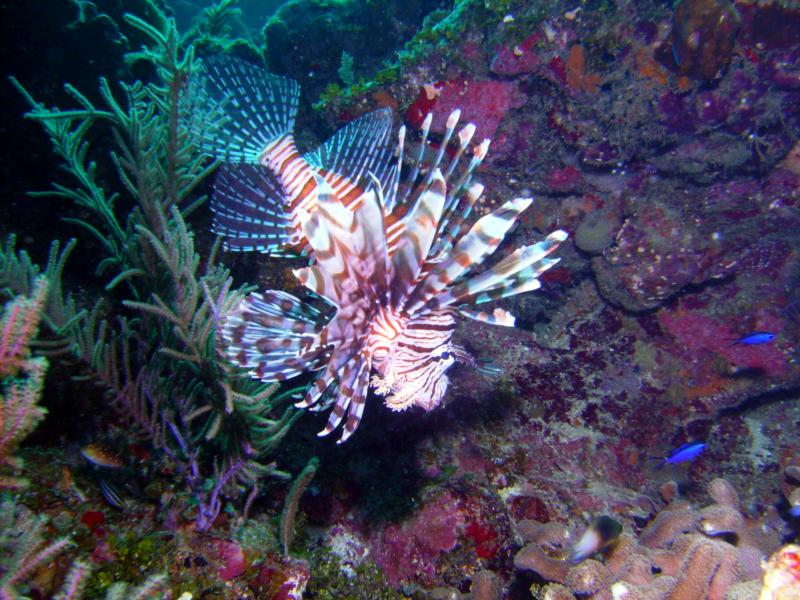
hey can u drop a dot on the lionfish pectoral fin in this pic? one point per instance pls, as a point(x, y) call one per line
point(275, 336)
point(476, 245)
point(351, 393)
point(248, 206)
point(257, 108)
point(360, 147)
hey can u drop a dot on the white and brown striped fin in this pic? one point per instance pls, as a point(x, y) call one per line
point(321, 388)
point(524, 281)
point(450, 229)
point(357, 403)
point(417, 164)
point(258, 107)
point(248, 203)
point(351, 393)
point(465, 136)
point(477, 158)
point(422, 169)
point(533, 256)
point(481, 241)
point(420, 227)
point(275, 336)
point(498, 316)
point(435, 166)
point(392, 189)
point(460, 195)
point(349, 247)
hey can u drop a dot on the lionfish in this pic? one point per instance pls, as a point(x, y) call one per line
point(387, 240)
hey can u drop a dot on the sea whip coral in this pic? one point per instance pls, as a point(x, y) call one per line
point(21, 377)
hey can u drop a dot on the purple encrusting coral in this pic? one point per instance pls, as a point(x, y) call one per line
point(664, 140)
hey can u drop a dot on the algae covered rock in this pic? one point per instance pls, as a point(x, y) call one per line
point(307, 39)
point(596, 232)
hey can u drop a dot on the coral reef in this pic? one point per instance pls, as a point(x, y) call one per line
point(683, 552)
point(667, 142)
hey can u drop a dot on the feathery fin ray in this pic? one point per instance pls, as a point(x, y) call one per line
point(386, 237)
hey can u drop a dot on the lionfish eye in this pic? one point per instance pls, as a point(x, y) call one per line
point(445, 355)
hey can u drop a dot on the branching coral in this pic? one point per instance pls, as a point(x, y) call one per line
point(21, 377)
point(293, 503)
point(23, 551)
point(684, 552)
point(22, 548)
point(152, 588)
point(161, 364)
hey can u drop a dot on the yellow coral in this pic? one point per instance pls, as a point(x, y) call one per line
point(782, 575)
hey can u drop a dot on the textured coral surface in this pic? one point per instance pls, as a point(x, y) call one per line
point(665, 141)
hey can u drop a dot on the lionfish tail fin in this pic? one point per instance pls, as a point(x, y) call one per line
point(257, 108)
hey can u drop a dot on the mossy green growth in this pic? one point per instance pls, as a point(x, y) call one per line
point(256, 537)
point(331, 581)
point(440, 28)
point(134, 556)
point(335, 94)
point(442, 32)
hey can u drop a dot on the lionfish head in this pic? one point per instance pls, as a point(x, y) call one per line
point(410, 359)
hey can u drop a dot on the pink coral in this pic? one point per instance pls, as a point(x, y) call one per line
point(482, 102)
point(722, 492)
point(696, 332)
point(231, 559)
point(486, 586)
point(518, 59)
point(674, 558)
point(409, 551)
point(532, 558)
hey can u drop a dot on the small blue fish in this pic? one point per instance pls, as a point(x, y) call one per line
point(795, 511)
point(685, 453)
point(755, 338)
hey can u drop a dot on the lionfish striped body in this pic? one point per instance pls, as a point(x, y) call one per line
point(388, 250)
